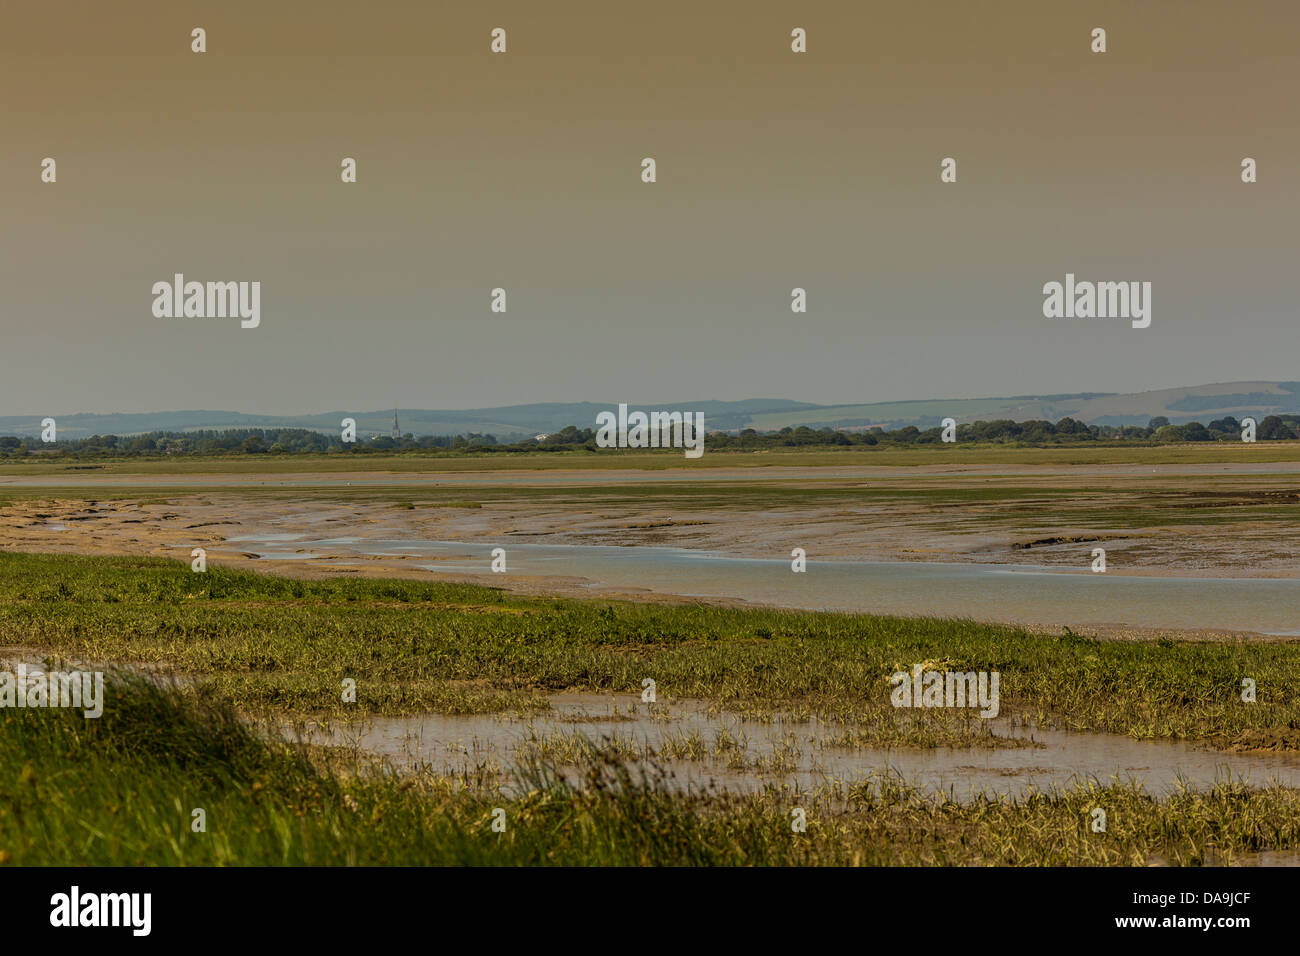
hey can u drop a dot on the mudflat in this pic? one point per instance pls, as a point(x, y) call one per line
point(1189, 519)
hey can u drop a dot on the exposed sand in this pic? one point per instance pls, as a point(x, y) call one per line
point(735, 521)
point(1185, 520)
point(1025, 529)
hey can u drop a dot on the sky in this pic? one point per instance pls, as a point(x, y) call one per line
point(522, 171)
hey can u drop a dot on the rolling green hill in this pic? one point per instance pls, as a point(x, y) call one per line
point(1201, 403)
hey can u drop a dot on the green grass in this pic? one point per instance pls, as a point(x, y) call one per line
point(121, 790)
point(284, 646)
point(963, 453)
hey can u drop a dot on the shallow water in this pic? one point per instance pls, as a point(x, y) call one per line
point(452, 744)
point(989, 592)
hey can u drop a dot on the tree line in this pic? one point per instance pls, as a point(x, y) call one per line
point(296, 441)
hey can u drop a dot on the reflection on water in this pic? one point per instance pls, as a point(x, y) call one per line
point(981, 591)
point(744, 755)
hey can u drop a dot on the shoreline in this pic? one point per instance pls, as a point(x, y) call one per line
point(581, 589)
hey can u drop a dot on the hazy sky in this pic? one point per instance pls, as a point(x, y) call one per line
point(522, 170)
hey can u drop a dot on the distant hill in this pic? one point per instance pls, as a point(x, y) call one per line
point(1200, 403)
point(512, 421)
point(1193, 403)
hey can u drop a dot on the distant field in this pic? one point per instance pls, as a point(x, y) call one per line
point(964, 410)
point(1202, 403)
point(964, 454)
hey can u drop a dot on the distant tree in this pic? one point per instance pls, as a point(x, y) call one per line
point(1273, 428)
point(1157, 423)
point(568, 435)
point(140, 444)
point(1037, 431)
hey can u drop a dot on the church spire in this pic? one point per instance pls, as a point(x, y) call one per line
point(397, 432)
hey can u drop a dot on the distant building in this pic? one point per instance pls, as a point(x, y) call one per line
point(540, 437)
point(397, 432)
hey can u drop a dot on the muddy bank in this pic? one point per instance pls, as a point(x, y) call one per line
point(552, 553)
point(1235, 532)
